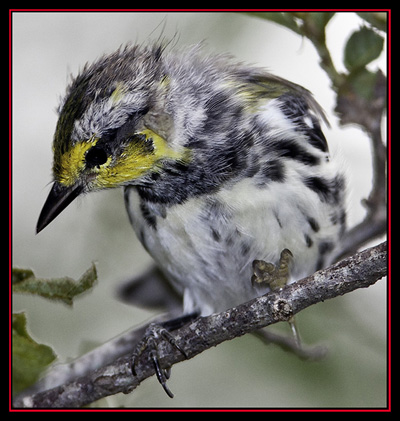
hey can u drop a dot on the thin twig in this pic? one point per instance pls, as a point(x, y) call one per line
point(287, 343)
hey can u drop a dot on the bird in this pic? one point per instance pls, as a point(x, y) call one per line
point(221, 162)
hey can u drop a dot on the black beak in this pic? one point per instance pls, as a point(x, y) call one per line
point(58, 199)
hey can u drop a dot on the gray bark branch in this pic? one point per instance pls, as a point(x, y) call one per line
point(358, 271)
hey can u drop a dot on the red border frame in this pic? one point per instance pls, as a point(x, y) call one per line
point(388, 409)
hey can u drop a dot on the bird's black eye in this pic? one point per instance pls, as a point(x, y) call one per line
point(96, 156)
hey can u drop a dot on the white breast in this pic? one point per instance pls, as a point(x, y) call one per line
point(206, 245)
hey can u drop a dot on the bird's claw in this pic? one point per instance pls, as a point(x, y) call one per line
point(156, 333)
point(275, 277)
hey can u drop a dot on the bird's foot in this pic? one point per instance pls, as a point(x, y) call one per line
point(276, 277)
point(154, 335)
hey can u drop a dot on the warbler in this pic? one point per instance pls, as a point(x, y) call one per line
point(221, 163)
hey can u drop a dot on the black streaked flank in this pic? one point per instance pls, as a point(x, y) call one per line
point(319, 185)
point(297, 110)
point(329, 191)
point(148, 216)
point(316, 137)
point(309, 241)
point(313, 224)
point(215, 234)
point(272, 171)
point(291, 149)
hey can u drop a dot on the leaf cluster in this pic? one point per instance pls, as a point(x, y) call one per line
point(30, 358)
point(363, 46)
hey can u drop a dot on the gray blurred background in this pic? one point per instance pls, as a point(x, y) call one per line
point(47, 48)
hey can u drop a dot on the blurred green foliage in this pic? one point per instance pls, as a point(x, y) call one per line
point(363, 46)
point(30, 358)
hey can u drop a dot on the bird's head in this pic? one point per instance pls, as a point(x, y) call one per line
point(173, 125)
point(112, 129)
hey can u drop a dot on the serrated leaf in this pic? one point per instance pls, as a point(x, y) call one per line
point(29, 358)
point(62, 289)
point(362, 47)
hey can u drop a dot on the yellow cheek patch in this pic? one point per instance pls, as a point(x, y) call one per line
point(142, 154)
point(71, 163)
point(138, 158)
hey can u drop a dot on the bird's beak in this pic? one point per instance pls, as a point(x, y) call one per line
point(58, 199)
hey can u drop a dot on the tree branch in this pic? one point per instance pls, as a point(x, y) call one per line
point(368, 114)
point(359, 271)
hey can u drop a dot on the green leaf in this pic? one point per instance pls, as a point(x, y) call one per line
point(376, 19)
point(363, 83)
point(62, 289)
point(320, 19)
point(362, 47)
point(313, 22)
point(19, 275)
point(29, 358)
